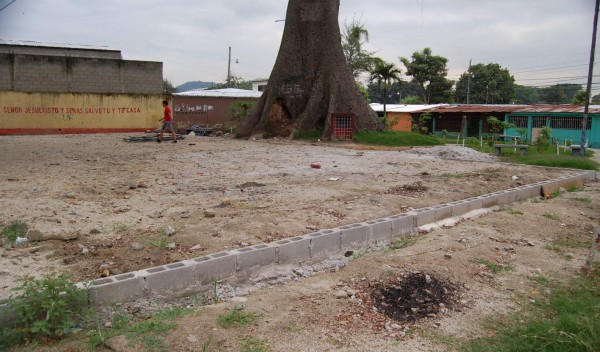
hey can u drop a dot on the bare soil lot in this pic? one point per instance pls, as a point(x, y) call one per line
point(111, 202)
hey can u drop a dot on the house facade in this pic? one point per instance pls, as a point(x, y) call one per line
point(209, 106)
point(470, 120)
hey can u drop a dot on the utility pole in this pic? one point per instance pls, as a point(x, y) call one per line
point(589, 82)
point(229, 69)
point(469, 81)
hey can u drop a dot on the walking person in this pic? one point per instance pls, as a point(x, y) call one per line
point(167, 123)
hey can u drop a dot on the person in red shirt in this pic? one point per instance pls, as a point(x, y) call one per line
point(167, 123)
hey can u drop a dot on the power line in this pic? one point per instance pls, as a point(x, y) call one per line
point(7, 5)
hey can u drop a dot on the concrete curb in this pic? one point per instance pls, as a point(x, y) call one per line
point(196, 275)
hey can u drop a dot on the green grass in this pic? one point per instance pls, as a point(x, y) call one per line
point(395, 139)
point(585, 200)
point(514, 212)
point(13, 230)
point(540, 158)
point(251, 344)
point(550, 216)
point(493, 267)
point(236, 316)
point(308, 135)
point(565, 319)
point(553, 160)
point(149, 333)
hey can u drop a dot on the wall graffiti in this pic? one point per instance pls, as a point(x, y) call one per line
point(69, 110)
point(290, 90)
point(193, 109)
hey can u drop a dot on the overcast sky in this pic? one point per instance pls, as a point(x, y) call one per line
point(541, 42)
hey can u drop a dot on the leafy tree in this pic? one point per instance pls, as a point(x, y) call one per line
point(397, 92)
point(596, 99)
point(384, 73)
point(525, 95)
point(238, 111)
point(559, 93)
point(579, 98)
point(168, 87)
point(364, 91)
point(489, 84)
point(354, 37)
point(497, 126)
point(412, 99)
point(429, 72)
point(234, 82)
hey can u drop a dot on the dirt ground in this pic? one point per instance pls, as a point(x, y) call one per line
point(104, 205)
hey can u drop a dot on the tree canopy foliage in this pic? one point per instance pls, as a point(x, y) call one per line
point(485, 84)
point(383, 74)
point(429, 72)
point(354, 37)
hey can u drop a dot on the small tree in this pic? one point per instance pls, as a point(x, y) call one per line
point(497, 126)
point(239, 110)
point(421, 125)
point(543, 139)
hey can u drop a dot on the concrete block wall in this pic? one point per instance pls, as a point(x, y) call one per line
point(196, 275)
point(140, 76)
point(40, 74)
point(50, 74)
point(95, 76)
point(6, 72)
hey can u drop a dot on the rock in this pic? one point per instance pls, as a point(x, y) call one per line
point(171, 245)
point(94, 231)
point(448, 256)
point(196, 247)
point(340, 294)
point(132, 185)
point(208, 213)
point(192, 338)
point(136, 246)
point(185, 215)
point(37, 235)
point(169, 231)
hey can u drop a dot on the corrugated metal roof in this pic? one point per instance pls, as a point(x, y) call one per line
point(481, 108)
point(55, 45)
point(221, 93)
point(403, 107)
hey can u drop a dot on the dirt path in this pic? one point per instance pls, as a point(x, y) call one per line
point(117, 199)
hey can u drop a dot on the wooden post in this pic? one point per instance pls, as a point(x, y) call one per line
point(590, 258)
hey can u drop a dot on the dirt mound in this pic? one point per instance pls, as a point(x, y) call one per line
point(412, 296)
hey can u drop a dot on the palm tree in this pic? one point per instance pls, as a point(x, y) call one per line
point(384, 73)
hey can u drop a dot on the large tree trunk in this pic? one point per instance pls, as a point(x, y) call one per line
point(310, 79)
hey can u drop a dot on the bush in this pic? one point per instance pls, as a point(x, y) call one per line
point(47, 307)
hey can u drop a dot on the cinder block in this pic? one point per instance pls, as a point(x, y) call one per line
point(489, 200)
point(216, 266)
point(171, 280)
point(403, 224)
point(380, 231)
point(459, 207)
point(443, 211)
point(505, 197)
point(293, 250)
point(324, 243)
point(255, 256)
point(120, 288)
point(424, 216)
point(354, 236)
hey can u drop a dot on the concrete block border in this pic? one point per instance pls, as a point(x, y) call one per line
point(195, 275)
